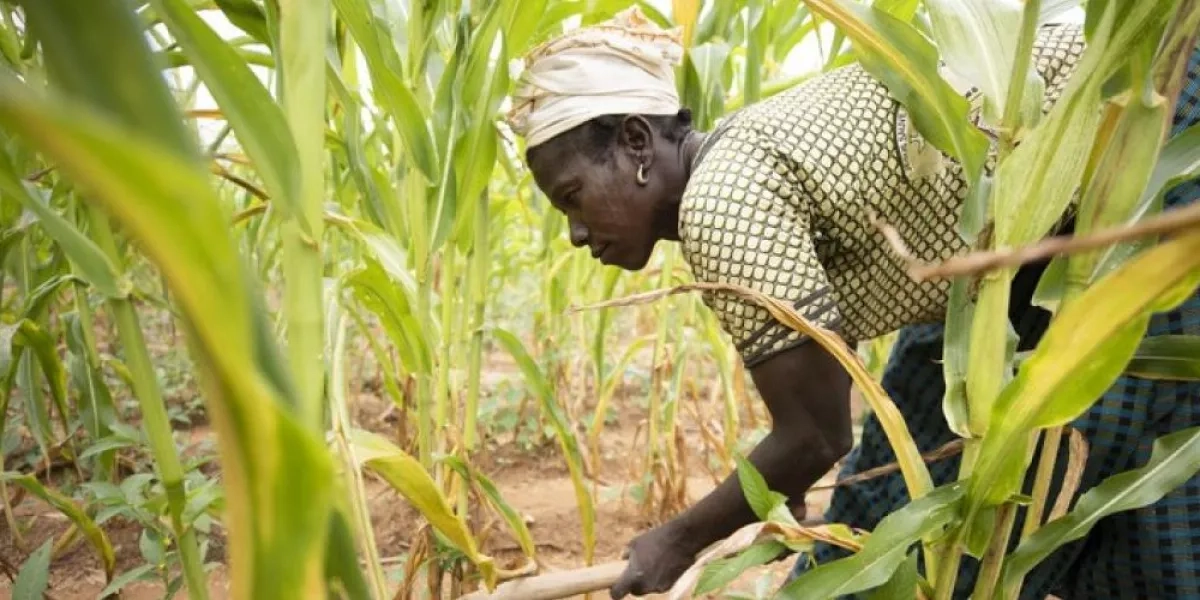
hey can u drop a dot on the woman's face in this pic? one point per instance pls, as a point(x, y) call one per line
point(607, 210)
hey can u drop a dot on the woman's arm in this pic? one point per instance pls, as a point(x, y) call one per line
point(807, 394)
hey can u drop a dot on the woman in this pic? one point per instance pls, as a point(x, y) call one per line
point(777, 198)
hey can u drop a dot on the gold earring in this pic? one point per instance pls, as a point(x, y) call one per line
point(641, 175)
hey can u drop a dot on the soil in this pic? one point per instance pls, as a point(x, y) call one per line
point(535, 482)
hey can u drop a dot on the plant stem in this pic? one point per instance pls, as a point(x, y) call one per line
point(154, 416)
point(477, 297)
point(1051, 440)
point(340, 421)
point(1016, 84)
point(303, 40)
point(993, 559)
point(441, 394)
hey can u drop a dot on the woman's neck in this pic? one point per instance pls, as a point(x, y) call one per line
point(668, 220)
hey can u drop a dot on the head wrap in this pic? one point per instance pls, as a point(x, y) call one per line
point(622, 66)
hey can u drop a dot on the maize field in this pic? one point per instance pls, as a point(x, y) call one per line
point(284, 315)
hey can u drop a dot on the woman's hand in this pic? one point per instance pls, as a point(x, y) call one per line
point(656, 560)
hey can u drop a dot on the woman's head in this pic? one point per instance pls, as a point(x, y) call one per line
point(618, 180)
point(606, 135)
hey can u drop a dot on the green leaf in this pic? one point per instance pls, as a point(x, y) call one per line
point(754, 487)
point(884, 551)
point(956, 356)
point(78, 46)
point(247, 16)
point(907, 63)
point(93, 264)
point(902, 585)
point(1034, 184)
point(34, 575)
point(245, 103)
point(978, 43)
point(162, 198)
point(44, 349)
point(1174, 459)
point(720, 573)
point(492, 494)
point(411, 480)
point(139, 573)
point(386, 78)
point(106, 444)
point(341, 558)
point(394, 306)
point(1175, 357)
point(72, 511)
point(903, 10)
point(1085, 348)
point(1178, 161)
point(565, 433)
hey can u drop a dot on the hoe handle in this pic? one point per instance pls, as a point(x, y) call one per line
point(555, 586)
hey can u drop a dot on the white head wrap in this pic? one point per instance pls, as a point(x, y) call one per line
point(621, 66)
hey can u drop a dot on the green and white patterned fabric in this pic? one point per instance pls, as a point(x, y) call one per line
point(782, 192)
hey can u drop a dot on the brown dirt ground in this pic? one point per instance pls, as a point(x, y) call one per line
point(536, 483)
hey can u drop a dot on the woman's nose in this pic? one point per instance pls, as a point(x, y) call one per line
point(579, 234)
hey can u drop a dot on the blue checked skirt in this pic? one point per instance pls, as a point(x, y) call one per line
point(1152, 553)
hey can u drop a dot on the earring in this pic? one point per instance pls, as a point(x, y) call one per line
point(641, 175)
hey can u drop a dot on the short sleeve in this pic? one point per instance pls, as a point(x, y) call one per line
point(742, 223)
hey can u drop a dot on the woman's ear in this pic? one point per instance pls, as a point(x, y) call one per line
point(637, 138)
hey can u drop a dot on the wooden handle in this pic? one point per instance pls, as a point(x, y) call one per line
point(555, 586)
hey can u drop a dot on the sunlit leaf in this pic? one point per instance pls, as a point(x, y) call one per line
point(95, 536)
point(884, 551)
point(412, 481)
point(907, 63)
point(720, 573)
point(562, 429)
point(978, 42)
point(245, 103)
point(1085, 348)
point(1174, 459)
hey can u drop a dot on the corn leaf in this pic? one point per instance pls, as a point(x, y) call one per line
point(411, 480)
point(163, 199)
point(395, 309)
point(1083, 351)
point(245, 103)
point(902, 585)
point(884, 551)
point(247, 16)
point(907, 63)
point(341, 559)
point(1178, 162)
point(95, 536)
point(720, 573)
point(1037, 181)
point(93, 264)
point(562, 429)
point(487, 488)
point(1167, 357)
point(367, 24)
point(96, 408)
point(754, 487)
point(978, 44)
point(34, 575)
point(75, 46)
point(1174, 459)
point(956, 357)
point(904, 10)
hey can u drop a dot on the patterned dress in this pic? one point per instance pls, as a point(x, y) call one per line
point(782, 192)
point(780, 202)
